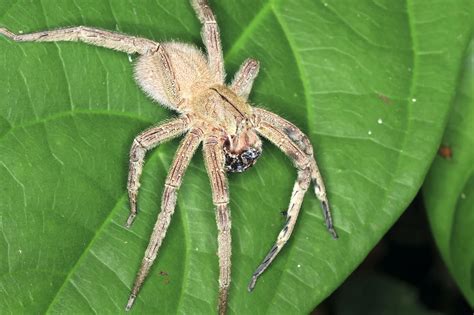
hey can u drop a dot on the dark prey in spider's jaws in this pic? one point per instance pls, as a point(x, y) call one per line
point(181, 77)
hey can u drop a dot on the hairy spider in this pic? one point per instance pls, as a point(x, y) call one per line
point(181, 77)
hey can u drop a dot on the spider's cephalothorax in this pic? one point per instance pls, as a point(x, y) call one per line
point(182, 78)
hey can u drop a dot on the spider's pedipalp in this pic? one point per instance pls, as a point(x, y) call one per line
point(243, 80)
point(89, 35)
point(141, 144)
point(214, 158)
point(168, 203)
point(297, 146)
point(211, 38)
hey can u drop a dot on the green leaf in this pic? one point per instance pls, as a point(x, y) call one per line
point(369, 81)
point(449, 187)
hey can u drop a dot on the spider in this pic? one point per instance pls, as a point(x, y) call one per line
point(182, 78)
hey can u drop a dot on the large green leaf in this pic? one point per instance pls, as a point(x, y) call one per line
point(369, 81)
point(449, 187)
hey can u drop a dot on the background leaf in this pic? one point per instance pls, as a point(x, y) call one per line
point(363, 296)
point(370, 82)
point(449, 187)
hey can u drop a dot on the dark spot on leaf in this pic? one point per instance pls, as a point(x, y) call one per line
point(446, 152)
point(385, 99)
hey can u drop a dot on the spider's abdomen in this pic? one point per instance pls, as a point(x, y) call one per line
point(168, 76)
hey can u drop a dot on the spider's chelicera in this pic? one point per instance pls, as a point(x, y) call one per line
point(237, 163)
point(241, 151)
point(181, 77)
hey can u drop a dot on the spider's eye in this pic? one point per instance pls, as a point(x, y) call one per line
point(238, 163)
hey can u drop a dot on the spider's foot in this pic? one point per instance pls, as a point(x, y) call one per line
point(130, 302)
point(130, 220)
point(333, 232)
point(327, 219)
point(252, 283)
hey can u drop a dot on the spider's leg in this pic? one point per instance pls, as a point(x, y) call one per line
point(301, 141)
point(211, 37)
point(89, 35)
point(214, 158)
point(284, 135)
point(141, 144)
point(299, 189)
point(302, 183)
point(243, 80)
point(173, 182)
point(320, 191)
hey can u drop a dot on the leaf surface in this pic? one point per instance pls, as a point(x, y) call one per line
point(370, 83)
point(449, 187)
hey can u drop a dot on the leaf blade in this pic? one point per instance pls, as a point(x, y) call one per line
point(449, 187)
point(307, 77)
